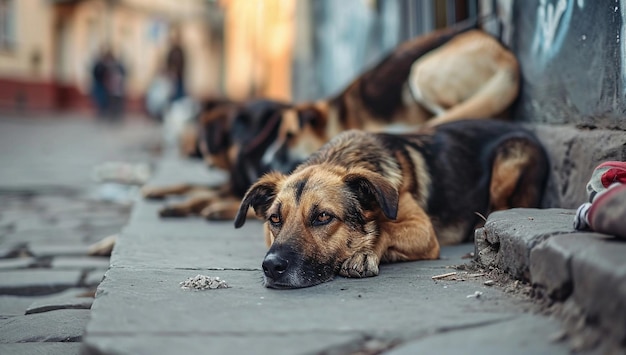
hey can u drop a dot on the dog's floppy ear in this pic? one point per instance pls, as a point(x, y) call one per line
point(371, 187)
point(215, 129)
point(260, 196)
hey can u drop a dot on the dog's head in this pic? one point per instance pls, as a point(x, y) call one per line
point(317, 218)
point(302, 131)
point(234, 138)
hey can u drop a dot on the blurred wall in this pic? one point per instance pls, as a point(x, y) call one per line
point(338, 40)
point(55, 43)
point(258, 36)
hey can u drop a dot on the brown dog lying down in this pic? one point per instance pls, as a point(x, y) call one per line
point(444, 76)
point(367, 198)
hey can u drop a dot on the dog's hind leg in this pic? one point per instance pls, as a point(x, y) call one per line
point(192, 206)
point(159, 192)
point(224, 209)
point(518, 176)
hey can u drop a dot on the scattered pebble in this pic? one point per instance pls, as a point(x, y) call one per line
point(203, 282)
point(489, 283)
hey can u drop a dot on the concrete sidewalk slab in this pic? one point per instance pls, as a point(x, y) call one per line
point(64, 325)
point(41, 348)
point(563, 265)
point(140, 307)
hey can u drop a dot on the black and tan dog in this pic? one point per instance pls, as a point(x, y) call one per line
point(230, 136)
point(367, 198)
point(446, 75)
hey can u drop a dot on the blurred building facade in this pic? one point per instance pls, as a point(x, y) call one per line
point(293, 50)
point(47, 47)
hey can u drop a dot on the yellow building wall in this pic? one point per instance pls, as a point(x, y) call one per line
point(259, 37)
point(32, 55)
point(58, 43)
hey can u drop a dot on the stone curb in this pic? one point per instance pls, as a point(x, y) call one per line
point(541, 247)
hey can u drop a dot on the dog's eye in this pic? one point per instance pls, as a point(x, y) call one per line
point(322, 218)
point(274, 219)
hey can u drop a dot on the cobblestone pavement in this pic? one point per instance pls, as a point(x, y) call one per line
point(52, 209)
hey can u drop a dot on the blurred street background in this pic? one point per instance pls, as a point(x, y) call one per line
point(116, 56)
point(92, 91)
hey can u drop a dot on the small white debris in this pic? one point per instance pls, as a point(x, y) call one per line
point(489, 283)
point(476, 294)
point(203, 282)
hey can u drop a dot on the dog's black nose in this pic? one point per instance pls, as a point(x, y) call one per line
point(274, 266)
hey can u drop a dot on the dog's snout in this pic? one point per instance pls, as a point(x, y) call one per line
point(274, 265)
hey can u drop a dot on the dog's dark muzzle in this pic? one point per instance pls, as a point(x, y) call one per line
point(283, 267)
point(274, 266)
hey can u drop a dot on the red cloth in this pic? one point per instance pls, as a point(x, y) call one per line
point(616, 173)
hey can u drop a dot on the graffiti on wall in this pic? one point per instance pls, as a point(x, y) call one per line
point(553, 22)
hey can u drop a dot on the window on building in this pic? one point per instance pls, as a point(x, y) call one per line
point(7, 24)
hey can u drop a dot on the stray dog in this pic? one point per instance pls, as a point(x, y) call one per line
point(232, 137)
point(447, 75)
point(367, 198)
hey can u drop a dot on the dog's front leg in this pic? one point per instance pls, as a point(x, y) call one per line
point(192, 206)
point(361, 264)
point(411, 236)
point(159, 192)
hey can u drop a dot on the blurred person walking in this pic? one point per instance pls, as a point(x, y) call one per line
point(175, 67)
point(108, 86)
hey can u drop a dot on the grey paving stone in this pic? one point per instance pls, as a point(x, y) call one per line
point(152, 302)
point(95, 234)
point(16, 263)
point(102, 221)
point(184, 245)
point(75, 298)
point(524, 334)
point(599, 273)
point(550, 263)
point(94, 277)
point(508, 237)
point(217, 343)
point(15, 305)
point(67, 325)
point(172, 170)
point(37, 281)
point(41, 349)
point(58, 249)
point(80, 262)
point(47, 236)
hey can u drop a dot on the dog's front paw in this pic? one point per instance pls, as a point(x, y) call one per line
point(152, 193)
point(360, 265)
point(214, 214)
point(172, 211)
